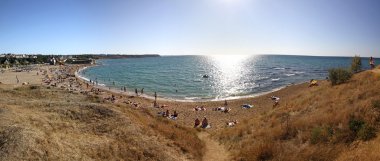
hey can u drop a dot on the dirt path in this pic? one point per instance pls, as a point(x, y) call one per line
point(214, 151)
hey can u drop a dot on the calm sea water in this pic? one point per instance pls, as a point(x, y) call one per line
point(181, 77)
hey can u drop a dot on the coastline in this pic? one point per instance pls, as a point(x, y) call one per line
point(151, 97)
point(72, 83)
point(261, 103)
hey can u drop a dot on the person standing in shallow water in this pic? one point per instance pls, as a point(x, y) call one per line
point(142, 90)
point(136, 92)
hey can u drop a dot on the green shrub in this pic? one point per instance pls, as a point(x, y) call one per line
point(339, 75)
point(361, 129)
point(366, 132)
point(356, 64)
point(355, 124)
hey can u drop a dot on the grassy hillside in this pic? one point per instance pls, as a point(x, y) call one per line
point(321, 123)
point(51, 124)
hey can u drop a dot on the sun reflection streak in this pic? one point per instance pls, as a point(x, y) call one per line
point(229, 70)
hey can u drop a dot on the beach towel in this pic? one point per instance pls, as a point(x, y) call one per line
point(246, 106)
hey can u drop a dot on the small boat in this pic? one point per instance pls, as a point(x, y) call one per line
point(205, 76)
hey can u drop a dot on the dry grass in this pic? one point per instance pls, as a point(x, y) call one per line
point(51, 124)
point(315, 124)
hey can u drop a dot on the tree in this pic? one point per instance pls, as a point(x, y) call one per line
point(356, 64)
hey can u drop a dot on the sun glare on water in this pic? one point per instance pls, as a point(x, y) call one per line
point(228, 62)
point(229, 70)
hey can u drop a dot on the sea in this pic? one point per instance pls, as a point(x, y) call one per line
point(217, 77)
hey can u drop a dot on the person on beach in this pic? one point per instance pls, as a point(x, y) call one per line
point(125, 89)
point(232, 123)
point(175, 114)
point(196, 123)
point(167, 113)
point(18, 81)
point(137, 94)
point(276, 101)
point(372, 62)
point(142, 90)
point(225, 103)
point(155, 96)
point(204, 123)
point(313, 83)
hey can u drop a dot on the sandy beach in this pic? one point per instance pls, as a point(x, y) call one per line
point(10, 76)
point(186, 112)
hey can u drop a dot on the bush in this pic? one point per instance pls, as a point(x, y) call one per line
point(366, 132)
point(356, 64)
point(339, 75)
point(355, 124)
point(361, 129)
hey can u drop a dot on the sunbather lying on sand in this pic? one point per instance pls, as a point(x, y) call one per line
point(313, 83)
point(232, 123)
point(201, 108)
point(222, 109)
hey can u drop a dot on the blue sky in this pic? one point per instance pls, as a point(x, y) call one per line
point(302, 27)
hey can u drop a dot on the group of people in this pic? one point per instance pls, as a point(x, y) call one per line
point(204, 124)
point(168, 115)
point(136, 92)
point(129, 102)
